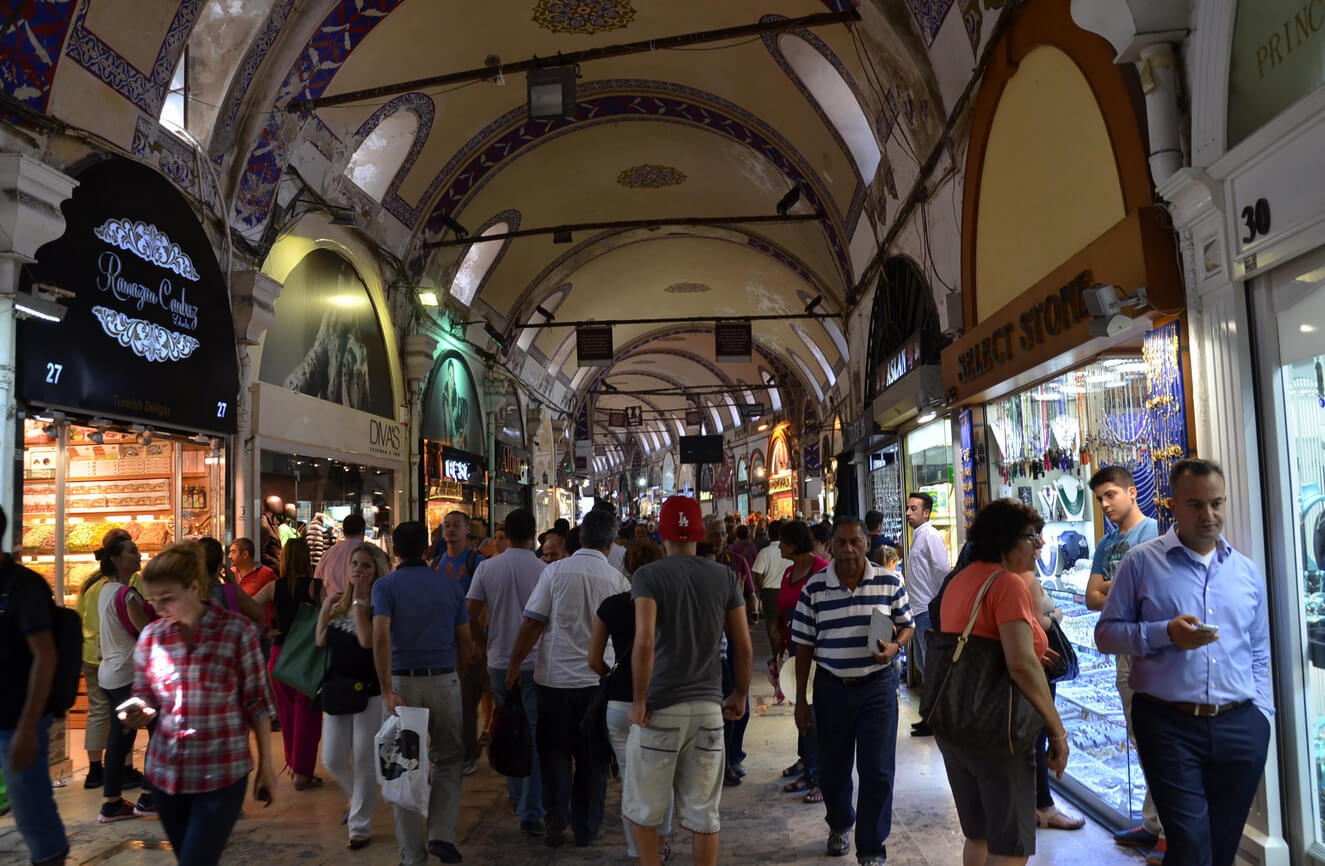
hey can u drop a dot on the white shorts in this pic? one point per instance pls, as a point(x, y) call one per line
point(680, 752)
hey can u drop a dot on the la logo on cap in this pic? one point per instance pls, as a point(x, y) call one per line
point(682, 520)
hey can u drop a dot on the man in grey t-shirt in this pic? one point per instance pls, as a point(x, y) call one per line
point(683, 605)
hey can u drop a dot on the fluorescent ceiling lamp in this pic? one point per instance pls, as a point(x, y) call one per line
point(38, 307)
point(552, 92)
point(927, 416)
point(428, 298)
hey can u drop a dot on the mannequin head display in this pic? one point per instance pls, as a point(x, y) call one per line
point(291, 513)
point(275, 506)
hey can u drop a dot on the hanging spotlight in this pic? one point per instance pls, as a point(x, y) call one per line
point(552, 92)
point(494, 335)
point(144, 434)
point(809, 308)
point(561, 236)
point(459, 230)
point(789, 200)
point(427, 297)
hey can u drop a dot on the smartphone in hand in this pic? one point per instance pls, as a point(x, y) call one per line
point(134, 709)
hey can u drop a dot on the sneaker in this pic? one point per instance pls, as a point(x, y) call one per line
point(872, 861)
point(739, 767)
point(533, 828)
point(1156, 855)
point(112, 812)
point(921, 730)
point(730, 777)
point(444, 851)
point(1136, 837)
point(96, 777)
point(132, 779)
point(146, 805)
point(839, 843)
point(470, 767)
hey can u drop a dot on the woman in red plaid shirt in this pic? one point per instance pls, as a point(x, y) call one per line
point(200, 669)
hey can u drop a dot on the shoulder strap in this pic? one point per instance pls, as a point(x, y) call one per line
point(231, 596)
point(469, 562)
point(975, 612)
point(122, 609)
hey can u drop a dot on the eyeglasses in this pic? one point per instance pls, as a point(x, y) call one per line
point(1033, 538)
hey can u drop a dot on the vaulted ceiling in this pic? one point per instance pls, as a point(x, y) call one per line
point(724, 129)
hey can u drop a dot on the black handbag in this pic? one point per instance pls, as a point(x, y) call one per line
point(1065, 666)
point(970, 699)
point(510, 741)
point(344, 696)
point(593, 726)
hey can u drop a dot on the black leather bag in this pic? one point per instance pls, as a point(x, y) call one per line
point(1065, 666)
point(593, 727)
point(970, 699)
point(344, 696)
point(510, 741)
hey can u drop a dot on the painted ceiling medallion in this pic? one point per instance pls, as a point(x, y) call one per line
point(147, 340)
point(584, 17)
point(687, 288)
point(649, 176)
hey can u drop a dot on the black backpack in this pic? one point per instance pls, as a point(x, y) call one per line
point(66, 630)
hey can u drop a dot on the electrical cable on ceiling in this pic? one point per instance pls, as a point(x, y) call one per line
point(876, 84)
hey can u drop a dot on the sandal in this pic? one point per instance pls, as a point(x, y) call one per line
point(794, 770)
point(801, 784)
point(1054, 818)
point(309, 782)
point(814, 795)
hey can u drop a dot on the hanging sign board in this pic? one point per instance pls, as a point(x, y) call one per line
point(732, 342)
point(753, 410)
point(593, 345)
point(693, 418)
point(148, 333)
point(616, 418)
point(634, 416)
point(906, 360)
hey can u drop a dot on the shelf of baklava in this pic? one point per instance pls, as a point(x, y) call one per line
point(118, 484)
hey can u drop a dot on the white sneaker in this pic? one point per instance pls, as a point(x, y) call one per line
point(470, 767)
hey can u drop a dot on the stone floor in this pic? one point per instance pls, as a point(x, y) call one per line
point(760, 824)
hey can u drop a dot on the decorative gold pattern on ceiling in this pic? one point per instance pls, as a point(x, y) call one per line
point(650, 176)
point(687, 288)
point(584, 17)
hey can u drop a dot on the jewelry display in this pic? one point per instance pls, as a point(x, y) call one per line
point(1074, 505)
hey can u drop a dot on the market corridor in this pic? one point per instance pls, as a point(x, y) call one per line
point(760, 824)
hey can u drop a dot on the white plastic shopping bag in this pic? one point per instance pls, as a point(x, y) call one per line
point(402, 758)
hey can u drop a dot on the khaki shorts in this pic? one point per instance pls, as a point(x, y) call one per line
point(680, 752)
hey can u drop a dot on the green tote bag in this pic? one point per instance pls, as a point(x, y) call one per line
point(303, 665)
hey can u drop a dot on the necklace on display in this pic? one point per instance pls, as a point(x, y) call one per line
point(1050, 500)
point(1074, 505)
point(1050, 568)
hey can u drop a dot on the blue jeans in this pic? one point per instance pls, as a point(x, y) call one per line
point(863, 720)
point(571, 797)
point(1203, 774)
point(30, 795)
point(199, 825)
point(526, 794)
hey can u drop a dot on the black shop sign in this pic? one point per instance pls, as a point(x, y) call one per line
point(148, 332)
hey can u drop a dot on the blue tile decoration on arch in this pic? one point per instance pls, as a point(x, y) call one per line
point(222, 133)
point(340, 32)
point(32, 47)
point(423, 108)
point(628, 99)
point(146, 90)
point(929, 15)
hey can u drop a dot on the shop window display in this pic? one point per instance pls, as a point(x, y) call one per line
point(929, 469)
point(332, 488)
point(80, 482)
point(886, 490)
point(1044, 444)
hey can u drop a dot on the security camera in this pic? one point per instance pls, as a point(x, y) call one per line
point(1110, 326)
point(1102, 301)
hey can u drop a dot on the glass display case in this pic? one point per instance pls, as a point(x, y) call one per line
point(80, 482)
point(1043, 445)
point(929, 469)
point(886, 489)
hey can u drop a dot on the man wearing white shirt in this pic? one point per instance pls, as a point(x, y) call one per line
point(561, 612)
point(767, 571)
point(926, 566)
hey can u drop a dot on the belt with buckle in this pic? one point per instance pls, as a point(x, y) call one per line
point(1205, 711)
point(861, 680)
point(421, 672)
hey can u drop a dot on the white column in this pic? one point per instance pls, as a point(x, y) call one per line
point(254, 295)
point(30, 196)
point(419, 352)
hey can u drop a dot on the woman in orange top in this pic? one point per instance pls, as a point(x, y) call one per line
point(995, 797)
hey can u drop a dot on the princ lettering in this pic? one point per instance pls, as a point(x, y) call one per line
point(1302, 26)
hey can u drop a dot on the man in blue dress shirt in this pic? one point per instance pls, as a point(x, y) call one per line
point(1191, 612)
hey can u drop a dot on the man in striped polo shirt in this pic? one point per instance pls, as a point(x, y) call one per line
point(855, 689)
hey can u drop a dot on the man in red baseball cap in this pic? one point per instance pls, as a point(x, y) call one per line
point(683, 605)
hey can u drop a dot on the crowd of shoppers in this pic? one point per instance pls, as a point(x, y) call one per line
point(664, 636)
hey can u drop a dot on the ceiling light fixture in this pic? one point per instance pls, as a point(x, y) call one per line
point(342, 216)
point(762, 427)
point(789, 200)
point(494, 335)
point(427, 297)
point(144, 434)
point(31, 305)
point(552, 92)
point(562, 236)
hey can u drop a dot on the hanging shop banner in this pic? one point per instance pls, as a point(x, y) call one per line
point(966, 421)
point(452, 411)
point(732, 342)
point(326, 340)
point(593, 345)
point(811, 461)
point(510, 419)
point(693, 418)
point(907, 359)
point(462, 467)
point(1049, 323)
point(147, 333)
point(781, 484)
point(616, 418)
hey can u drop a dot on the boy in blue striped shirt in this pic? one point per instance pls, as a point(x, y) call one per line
point(855, 689)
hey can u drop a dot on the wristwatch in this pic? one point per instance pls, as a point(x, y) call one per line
point(358, 602)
